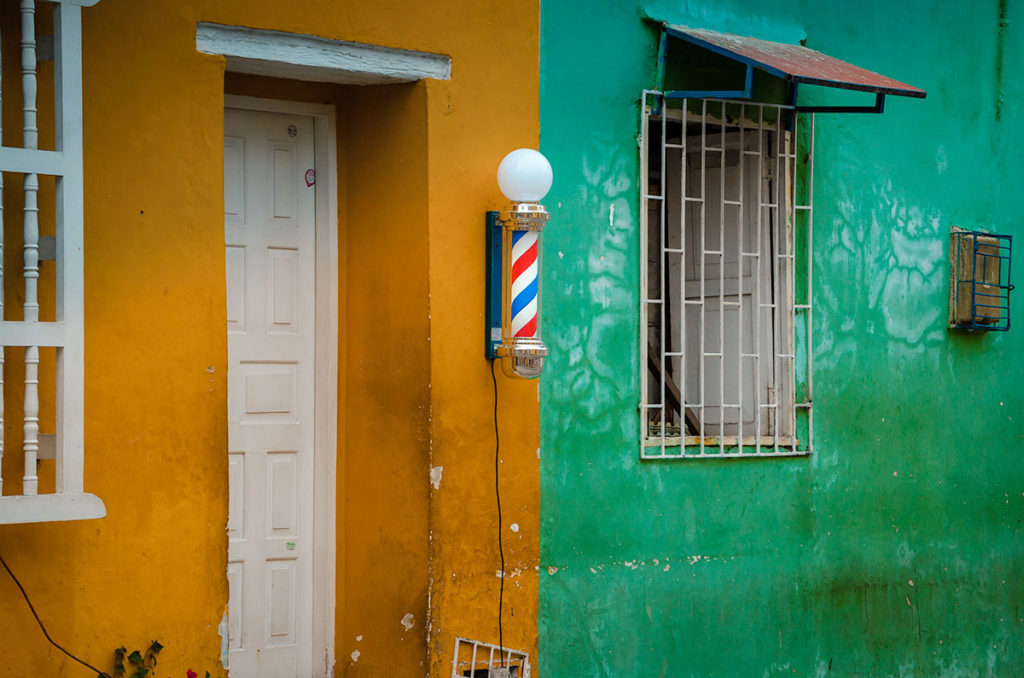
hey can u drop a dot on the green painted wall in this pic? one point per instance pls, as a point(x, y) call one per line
point(897, 548)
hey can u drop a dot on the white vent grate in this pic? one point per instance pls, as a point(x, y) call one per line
point(482, 660)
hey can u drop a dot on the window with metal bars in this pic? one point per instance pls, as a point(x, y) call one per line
point(725, 316)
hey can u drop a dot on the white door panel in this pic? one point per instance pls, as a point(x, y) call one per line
point(269, 219)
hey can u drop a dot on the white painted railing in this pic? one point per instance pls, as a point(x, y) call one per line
point(65, 334)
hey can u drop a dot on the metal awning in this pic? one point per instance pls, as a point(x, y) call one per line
point(794, 63)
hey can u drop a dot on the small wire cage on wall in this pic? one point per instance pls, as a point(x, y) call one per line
point(979, 282)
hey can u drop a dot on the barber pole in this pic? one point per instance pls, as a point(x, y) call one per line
point(513, 332)
point(524, 284)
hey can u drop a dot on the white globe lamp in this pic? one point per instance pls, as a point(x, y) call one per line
point(524, 175)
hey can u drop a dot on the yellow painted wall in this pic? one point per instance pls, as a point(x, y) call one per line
point(417, 165)
point(463, 515)
point(385, 505)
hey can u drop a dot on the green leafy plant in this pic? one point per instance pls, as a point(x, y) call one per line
point(139, 664)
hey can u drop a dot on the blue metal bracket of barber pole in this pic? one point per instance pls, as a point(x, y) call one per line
point(492, 296)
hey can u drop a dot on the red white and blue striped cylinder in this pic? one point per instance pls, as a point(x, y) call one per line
point(523, 287)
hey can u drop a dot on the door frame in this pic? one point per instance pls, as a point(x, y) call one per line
point(325, 426)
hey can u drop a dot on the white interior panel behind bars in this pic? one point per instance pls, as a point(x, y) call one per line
point(725, 313)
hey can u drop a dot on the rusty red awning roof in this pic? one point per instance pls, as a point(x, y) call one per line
point(795, 63)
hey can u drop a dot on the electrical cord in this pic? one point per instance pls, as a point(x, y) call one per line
point(39, 621)
point(497, 496)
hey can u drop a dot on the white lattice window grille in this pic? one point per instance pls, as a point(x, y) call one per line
point(41, 339)
point(725, 313)
point(482, 660)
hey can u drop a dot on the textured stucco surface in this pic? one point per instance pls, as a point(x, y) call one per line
point(416, 563)
point(895, 549)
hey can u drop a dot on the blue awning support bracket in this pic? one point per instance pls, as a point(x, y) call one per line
point(662, 60)
point(745, 93)
point(879, 106)
point(748, 86)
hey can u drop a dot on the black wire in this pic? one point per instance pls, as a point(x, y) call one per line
point(40, 622)
point(497, 496)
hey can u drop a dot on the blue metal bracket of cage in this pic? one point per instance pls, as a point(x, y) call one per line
point(995, 312)
point(493, 285)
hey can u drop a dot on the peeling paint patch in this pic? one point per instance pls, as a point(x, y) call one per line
point(552, 569)
point(514, 527)
point(355, 655)
point(408, 621)
point(435, 476)
point(359, 638)
point(222, 630)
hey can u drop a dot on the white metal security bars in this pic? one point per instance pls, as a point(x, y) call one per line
point(482, 660)
point(64, 335)
point(725, 279)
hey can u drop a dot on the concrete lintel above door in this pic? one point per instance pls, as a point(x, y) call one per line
point(309, 57)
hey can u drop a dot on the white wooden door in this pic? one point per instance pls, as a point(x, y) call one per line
point(269, 225)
